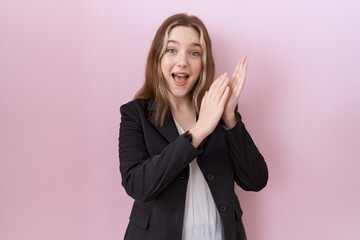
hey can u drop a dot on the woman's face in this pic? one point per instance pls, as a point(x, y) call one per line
point(181, 63)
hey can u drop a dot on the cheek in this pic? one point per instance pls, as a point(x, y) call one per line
point(198, 67)
point(162, 66)
point(165, 62)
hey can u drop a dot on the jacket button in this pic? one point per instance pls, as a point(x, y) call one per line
point(175, 211)
point(222, 208)
point(181, 177)
point(210, 176)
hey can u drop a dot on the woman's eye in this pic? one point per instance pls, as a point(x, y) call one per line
point(170, 50)
point(195, 54)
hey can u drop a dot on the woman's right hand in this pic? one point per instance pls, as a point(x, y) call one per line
point(211, 110)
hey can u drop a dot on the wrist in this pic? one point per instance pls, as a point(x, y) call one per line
point(229, 120)
point(197, 134)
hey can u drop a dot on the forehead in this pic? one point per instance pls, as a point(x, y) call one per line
point(185, 35)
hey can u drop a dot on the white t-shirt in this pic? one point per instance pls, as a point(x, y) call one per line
point(201, 218)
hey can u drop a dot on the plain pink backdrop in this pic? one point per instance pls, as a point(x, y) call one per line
point(67, 66)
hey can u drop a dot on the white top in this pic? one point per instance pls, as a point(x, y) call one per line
point(201, 218)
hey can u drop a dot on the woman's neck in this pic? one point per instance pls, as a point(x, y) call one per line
point(183, 111)
point(180, 104)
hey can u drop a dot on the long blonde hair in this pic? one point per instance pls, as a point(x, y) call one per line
point(154, 86)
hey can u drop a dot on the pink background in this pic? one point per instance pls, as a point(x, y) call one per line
point(67, 66)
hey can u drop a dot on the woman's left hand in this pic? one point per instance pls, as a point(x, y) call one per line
point(236, 85)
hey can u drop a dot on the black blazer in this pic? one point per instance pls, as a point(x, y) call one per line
point(154, 169)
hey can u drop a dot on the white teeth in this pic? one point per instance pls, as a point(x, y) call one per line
point(181, 75)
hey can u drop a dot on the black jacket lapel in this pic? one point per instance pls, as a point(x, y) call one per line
point(168, 129)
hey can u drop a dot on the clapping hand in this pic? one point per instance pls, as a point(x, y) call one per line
point(220, 102)
point(236, 85)
point(211, 110)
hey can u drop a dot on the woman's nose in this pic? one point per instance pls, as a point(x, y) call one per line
point(182, 60)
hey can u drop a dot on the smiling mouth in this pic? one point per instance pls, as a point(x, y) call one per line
point(179, 78)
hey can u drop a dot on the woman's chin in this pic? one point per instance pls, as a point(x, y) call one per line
point(179, 94)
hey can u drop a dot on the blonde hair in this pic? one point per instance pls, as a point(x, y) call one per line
point(154, 86)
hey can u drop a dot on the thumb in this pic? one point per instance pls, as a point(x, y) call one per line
point(224, 97)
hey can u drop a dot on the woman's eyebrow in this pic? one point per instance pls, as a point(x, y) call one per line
point(173, 41)
point(177, 43)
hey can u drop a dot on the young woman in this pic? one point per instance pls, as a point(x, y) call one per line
point(182, 143)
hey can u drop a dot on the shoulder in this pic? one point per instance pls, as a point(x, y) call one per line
point(138, 106)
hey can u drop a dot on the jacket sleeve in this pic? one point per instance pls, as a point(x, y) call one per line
point(144, 176)
point(251, 172)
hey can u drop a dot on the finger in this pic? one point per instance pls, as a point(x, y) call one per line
point(206, 94)
point(215, 85)
point(241, 63)
point(223, 85)
point(243, 72)
point(243, 60)
point(240, 85)
point(220, 91)
point(237, 70)
point(203, 100)
point(224, 97)
point(230, 81)
point(238, 89)
point(216, 81)
point(220, 77)
point(242, 68)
